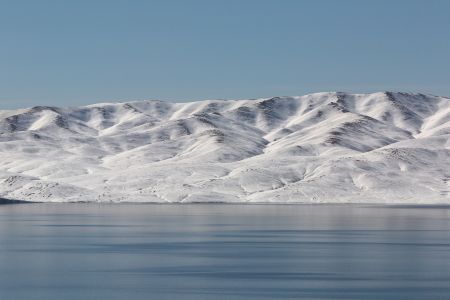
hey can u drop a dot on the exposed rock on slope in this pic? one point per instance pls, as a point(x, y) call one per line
point(325, 147)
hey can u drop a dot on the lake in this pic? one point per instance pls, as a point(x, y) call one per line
point(214, 251)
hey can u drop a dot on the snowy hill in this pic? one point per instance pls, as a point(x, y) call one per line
point(324, 147)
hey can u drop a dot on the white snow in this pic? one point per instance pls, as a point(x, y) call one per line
point(325, 147)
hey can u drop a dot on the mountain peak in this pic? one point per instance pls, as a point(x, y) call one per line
point(321, 147)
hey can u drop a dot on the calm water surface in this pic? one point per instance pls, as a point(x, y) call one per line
point(87, 251)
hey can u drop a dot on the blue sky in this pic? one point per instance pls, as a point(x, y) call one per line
point(66, 52)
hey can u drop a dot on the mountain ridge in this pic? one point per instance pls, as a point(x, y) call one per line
point(385, 147)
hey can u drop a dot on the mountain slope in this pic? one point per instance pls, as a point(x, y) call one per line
point(325, 147)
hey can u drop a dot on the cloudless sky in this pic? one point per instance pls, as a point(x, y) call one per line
point(74, 52)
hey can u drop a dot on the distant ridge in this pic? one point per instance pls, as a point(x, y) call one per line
point(334, 147)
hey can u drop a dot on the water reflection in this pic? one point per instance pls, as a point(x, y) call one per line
point(87, 251)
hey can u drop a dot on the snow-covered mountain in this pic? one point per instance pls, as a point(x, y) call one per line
point(324, 147)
